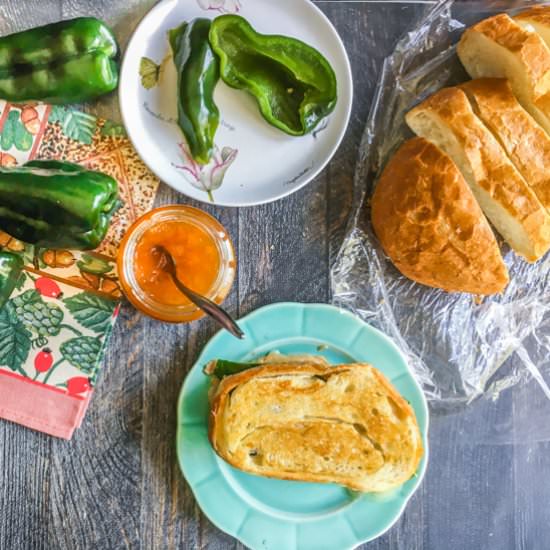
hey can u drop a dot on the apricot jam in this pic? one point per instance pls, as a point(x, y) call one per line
point(202, 252)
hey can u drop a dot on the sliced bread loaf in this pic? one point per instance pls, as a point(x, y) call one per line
point(430, 225)
point(525, 142)
point(499, 47)
point(447, 119)
point(536, 19)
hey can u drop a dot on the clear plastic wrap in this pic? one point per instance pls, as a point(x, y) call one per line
point(460, 348)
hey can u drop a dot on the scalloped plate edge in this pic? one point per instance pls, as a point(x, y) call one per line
point(424, 419)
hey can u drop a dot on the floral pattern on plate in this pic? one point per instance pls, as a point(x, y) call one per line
point(207, 177)
point(221, 6)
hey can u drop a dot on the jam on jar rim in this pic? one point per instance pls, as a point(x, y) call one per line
point(193, 216)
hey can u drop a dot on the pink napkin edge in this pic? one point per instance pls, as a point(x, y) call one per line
point(40, 407)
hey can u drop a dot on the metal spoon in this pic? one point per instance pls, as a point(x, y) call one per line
point(167, 264)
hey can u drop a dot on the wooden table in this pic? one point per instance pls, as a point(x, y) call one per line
point(117, 484)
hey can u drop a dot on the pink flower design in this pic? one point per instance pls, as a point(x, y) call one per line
point(221, 6)
point(207, 177)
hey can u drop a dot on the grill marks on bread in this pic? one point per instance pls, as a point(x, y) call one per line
point(343, 424)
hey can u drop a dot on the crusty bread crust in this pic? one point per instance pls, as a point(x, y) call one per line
point(526, 47)
point(538, 14)
point(500, 47)
point(524, 141)
point(430, 225)
point(537, 18)
point(447, 118)
point(341, 424)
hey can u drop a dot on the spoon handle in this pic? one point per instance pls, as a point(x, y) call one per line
point(211, 308)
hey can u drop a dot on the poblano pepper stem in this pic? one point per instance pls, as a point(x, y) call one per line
point(294, 84)
point(56, 204)
point(11, 266)
point(66, 62)
point(198, 73)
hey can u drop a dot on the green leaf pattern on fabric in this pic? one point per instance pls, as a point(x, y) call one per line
point(21, 281)
point(57, 114)
point(28, 297)
point(91, 311)
point(94, 265)
point(28, 321)
point(112, 129)
point(8, 131)
point(23, 138)
point(75, 124)
point(82, 352)
point(38, 316)
point(15, 339)
point(15, 133)
point(28, 314)
point(79, 126)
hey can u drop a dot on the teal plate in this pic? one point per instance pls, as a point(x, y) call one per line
point(270, 514)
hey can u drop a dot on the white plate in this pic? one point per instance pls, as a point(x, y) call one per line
point(261, 163)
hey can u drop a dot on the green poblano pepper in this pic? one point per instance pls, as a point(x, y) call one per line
point(66, 62)
point(294, 84)
point(10, 269)
point(220, 367)
point(56, 204)
point(198, 73)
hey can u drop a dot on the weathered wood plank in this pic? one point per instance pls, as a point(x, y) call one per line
point(368, 39)
point(470, 489)
point(24, 479)
point(18, 16)
point(283, 250)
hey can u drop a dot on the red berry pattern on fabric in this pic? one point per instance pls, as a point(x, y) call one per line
point(47, 287)
point(77, 385)
point(44, 360)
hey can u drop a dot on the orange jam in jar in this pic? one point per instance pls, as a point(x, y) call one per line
point(202, 252)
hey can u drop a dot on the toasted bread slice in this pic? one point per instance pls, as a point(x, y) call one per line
point(499, 47)
point(446, 118)
point(431, 226)
point(308, 422)
point(536, 19)
point(525, 142)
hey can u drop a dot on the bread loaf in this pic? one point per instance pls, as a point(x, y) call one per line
point(431, 226)
point(308, 422)
point(446, 118)
point(536, 19)
point(524, 141)
point(499, 47)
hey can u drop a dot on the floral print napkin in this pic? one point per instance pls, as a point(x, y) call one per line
point(57, 323)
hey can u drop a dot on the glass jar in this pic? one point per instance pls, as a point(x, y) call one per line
point(165, 219)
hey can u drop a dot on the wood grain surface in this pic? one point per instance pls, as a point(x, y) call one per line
point(117, 484)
